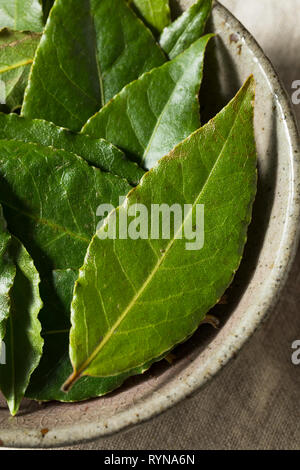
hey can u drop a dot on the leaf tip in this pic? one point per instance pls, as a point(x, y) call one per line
point(13, 407)
point(250, 82)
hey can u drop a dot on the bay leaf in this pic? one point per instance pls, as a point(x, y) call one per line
point(23, 342)
point(137, 298)
point(186, 29)
point(102, 47)
point(7, 275)
point(156, 13)
point(43, 206)
point(55, 366)
point(97, 152)
point(50, 198)
point(21, 15)
point(17, 51)
point(154, 113)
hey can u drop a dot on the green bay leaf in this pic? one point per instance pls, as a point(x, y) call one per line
point(55, 366)
point(102, 47)
point(23, 342)
point(17, 51)
point(7, 275)
point(157, 111)
point(186, 29)
point(136, 299)
point(50, 198)
point(156, 13)
point(21, 15)
point(97, 152)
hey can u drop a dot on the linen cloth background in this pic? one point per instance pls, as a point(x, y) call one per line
point(254, 403)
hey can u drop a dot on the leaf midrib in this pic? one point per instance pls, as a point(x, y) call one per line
point(109, 334)
point(99, 72)
point(158, 122)
point(165, 108)
point(17, 65)
point(55, 332)
point(47, 223)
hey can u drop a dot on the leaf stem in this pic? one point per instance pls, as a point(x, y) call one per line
point(70, 382)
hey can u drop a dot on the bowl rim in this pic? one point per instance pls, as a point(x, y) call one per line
point(157, 403)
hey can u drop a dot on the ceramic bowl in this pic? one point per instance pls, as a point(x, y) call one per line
point(231, 58)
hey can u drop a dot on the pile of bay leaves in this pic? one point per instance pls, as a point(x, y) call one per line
point(100, 106)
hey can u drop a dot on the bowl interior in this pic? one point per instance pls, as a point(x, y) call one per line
point(231, 58)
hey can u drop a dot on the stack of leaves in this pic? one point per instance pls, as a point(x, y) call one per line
point(110, 115)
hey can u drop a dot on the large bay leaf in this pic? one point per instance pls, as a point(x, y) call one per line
point(156, 13)
point(137, 298)
point(154, 113)
point(97, 152)
point(23, 342)
point(7, 275)
point(102, 47)
point(50, 198)
point(55, 366)
point(21, 15)
point(186, 29)
point(17, 51)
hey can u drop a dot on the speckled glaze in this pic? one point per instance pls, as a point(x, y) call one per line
point(270, 250)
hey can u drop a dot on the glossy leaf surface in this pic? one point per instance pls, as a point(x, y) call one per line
point(22, 340)
point(166, 289)
point(157, 111)
point(21, 15)
point(7, 275)
point(55, 366)
point(50, 198)
point(97, 152)
point(17, 51)
point(156, 13)
point(102, 47)
point(186, 29)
